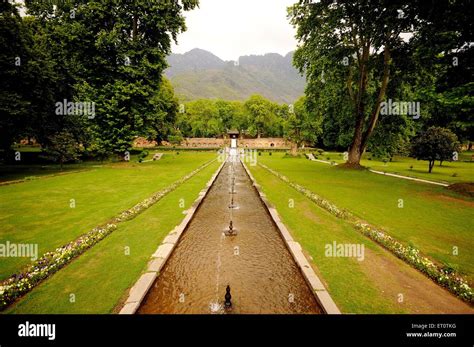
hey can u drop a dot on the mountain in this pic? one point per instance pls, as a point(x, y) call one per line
point(200, 74)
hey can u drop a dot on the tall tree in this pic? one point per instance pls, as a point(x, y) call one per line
point(160, 124)
point(360, 36)
point(117, 52)
point(302, 125)
point(261, 115)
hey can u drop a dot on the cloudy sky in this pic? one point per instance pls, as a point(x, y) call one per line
point(230, 28)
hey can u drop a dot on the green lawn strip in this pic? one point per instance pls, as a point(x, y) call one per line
point(40, 211)
point(313, 227)
point(14, 174)
point(101, 276)
point(431, 220)
point(449, 172)
point(20, 171)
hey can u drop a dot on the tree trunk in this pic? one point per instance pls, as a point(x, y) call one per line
point(430, 165)
point(360, 139)
point(354, 149)
point(135, 27)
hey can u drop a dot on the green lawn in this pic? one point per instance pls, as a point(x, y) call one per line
point(449, 172)
point(39, 211)
point(345, 278)
point(29, 172)
point(432, 219)
point(33, 172)
point(102, 275)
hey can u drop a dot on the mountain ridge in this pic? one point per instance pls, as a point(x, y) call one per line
point(201, 74)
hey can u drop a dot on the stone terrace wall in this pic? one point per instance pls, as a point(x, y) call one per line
point(141, 142)
point(201, 142)
point(265, 142)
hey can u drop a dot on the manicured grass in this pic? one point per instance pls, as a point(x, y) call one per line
point(432, 219)
point(40, 211)
point(100, 277)
point(12, 172)
point(345, 278)
point(449, 172)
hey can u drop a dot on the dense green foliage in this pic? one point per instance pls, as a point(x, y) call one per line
point(435, 144)
point(358, 55)
point(256, 117)
point(109, 53)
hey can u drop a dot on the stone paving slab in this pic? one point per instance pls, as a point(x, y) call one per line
point(138, 291)
point(129, 308)
point(172, 238)
point(327, 302)
point(313, 279)
point(284, 231)
point(274, 214)
point(163, 251)
point(155, 264)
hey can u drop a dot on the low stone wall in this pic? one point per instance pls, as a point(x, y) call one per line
point(203, 142)
point(141, 142)
point(264, 142)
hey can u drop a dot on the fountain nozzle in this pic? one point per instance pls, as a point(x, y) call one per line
point(227, 297)
point(231, 231)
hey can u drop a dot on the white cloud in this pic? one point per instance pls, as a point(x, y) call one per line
point(230, 28)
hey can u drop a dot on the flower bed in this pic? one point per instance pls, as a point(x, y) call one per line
point(448, 279)
point(50, 262)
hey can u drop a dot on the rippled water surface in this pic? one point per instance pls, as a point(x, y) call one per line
point(255, 263)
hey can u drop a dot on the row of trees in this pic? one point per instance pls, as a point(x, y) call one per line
point(255, 117)
point(107, 52)
point(356, 55)
point(112, 54)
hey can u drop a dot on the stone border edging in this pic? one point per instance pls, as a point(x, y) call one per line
point(319, 291)
point(163, 252)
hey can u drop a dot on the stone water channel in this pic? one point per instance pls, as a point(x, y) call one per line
point(253, 261)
